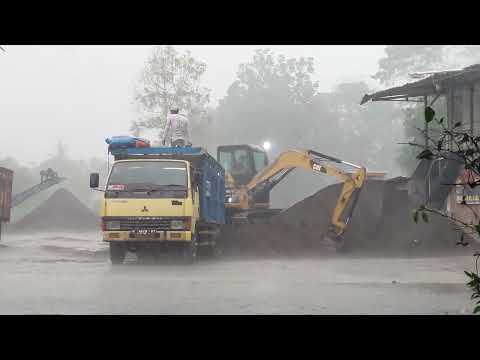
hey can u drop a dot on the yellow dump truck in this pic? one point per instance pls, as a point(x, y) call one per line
point(159, 200)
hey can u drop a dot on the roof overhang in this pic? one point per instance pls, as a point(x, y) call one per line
point(434, 85)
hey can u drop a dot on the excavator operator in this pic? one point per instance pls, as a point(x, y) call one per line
point(240, 169)
point(239, 166)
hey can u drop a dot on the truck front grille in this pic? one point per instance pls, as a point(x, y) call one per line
point(150, 224)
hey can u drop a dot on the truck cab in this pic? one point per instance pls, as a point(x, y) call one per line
point(159, 200)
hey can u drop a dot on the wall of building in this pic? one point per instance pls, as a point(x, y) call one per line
point(465, 108)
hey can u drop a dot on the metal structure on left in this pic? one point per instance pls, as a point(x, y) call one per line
point(6, 181)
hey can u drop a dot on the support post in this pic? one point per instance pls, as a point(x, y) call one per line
point(450, 114)
point(425, 103)
point(472, 89)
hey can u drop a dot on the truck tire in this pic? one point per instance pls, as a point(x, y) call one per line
point(117, 253)
point(189, 253)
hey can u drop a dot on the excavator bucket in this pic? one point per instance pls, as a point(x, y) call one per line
point(333, 240)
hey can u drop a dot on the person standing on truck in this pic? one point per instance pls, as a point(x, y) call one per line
point(177, 129)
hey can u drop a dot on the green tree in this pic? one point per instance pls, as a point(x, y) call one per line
point(274, 98)
point(269, 99)
point(169, 79)
point(367, 135)
point(401, 60)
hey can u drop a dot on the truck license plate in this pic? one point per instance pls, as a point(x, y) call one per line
point(145, 234)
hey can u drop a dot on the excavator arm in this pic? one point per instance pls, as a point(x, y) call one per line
point(314, 161)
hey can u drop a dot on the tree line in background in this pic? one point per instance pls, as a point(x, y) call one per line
point(274, 98)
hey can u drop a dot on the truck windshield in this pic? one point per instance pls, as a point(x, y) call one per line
point(147, 175)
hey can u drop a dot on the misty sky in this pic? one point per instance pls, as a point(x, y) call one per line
point(83, 94)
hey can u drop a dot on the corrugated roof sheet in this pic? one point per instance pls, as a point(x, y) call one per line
point(433, 85)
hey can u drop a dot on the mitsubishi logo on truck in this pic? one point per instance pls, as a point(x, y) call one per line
point(144, 209)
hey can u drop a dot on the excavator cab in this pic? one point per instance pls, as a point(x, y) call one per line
point(242, 162)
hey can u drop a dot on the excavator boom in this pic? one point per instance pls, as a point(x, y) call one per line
point(311, 160)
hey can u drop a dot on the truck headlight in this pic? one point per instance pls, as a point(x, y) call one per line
point(177, 224)
point(112, 225)
point(180, 224)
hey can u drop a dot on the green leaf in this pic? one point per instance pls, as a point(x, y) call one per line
point(457, 124)
point(477, 309)
point(477, 228)
point(429, 114)
point(425, 216)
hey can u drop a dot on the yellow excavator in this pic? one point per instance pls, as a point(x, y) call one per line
point(249, 180)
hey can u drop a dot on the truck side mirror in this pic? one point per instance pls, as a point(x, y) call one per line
point(94, 180)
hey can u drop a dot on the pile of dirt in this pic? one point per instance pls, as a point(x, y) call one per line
point(60, 212)
point(381, 223)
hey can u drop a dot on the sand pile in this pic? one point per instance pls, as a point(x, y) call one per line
point(382, 223)
point(60, 212)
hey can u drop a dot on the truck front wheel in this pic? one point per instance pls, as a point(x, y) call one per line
point(190, 251)
point(117, 253)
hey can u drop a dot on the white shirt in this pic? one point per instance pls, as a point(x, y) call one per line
point(177, 127)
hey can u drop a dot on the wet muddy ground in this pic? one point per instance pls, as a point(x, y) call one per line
point(71, 274)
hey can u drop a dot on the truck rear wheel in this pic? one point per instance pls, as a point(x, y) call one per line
point(117, 253)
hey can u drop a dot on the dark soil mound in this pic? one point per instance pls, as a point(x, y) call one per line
point(381, 223)
point(60, 212)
